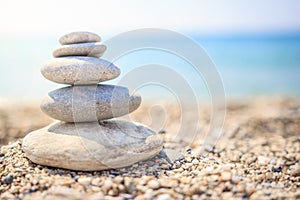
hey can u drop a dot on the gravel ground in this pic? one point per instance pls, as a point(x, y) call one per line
point(257, 158)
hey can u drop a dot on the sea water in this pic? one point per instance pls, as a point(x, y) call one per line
point(248, 65)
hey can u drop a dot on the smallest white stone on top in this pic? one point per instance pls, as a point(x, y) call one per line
point(79, 37)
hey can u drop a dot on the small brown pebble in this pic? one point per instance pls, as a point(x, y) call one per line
point(7, 196)
point(235, 179)
point(225, 176)
point(164, 197)
point(118, 179)
point(107, 185)
point(234, 157)
point(153, 184)
point(95, 181)
point(165, 166)
point(263, 161)
point(24, 189)
point(240, 188)
point(84, 181)
point(296, 171)
point(67, 182)
point(185, 180)
point(95, 189)
point(178, 170)
point(195, 161)
point(250, 188)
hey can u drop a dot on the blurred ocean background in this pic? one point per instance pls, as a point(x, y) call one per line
point(263, 64)
point(254, 44)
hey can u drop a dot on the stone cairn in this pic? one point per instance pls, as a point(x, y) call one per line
point(86, 138)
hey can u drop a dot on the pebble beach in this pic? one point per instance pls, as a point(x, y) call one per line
point(256, 158)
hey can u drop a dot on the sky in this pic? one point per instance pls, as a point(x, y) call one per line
point(52, 17)
point(29, 31)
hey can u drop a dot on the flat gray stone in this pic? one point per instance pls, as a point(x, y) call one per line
point(91, 146)
point(82, 49)
point(78, 70)
point(89, 103)
point(79, 37)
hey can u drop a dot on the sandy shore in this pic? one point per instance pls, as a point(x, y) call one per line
point(256, 158)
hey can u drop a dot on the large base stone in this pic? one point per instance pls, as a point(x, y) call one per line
point(91, 146)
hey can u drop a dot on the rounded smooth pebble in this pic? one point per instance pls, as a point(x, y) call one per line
point(89, 103)
point(79, 70)
point(79, 37)
point(91, 146)
point(83, 49)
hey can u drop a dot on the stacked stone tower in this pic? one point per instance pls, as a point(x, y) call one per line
point(86, 137)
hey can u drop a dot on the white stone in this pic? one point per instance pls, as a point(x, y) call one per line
point(91, 146)
point(77, 70)
point(79, 37)
point(82, 49)
point(89, 103)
